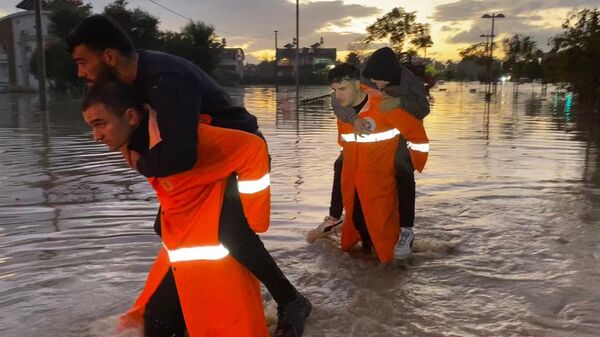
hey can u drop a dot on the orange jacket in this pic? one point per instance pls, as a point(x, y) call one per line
point(369, 168)
point(219, 297)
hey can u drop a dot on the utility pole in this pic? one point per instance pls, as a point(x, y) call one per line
point(297, 46)
point(41, 61)
point(276, 62)
point(493, 17)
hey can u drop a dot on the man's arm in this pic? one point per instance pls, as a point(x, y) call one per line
point(409, 95)
point(412, 94)
point(177, 105)
point(345, 114)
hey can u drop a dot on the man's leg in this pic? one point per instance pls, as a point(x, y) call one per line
point(163, 316)
point(361, 225)
point(247, 248)
point(405, 180)
point(336, 207)
point(405, 183)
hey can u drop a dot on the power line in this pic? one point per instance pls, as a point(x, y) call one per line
point(185, 17)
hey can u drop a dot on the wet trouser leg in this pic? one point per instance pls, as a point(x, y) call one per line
point(360, 224)
point(336, 206)
point(163, 316)
point(405, 183)
point(247, 248)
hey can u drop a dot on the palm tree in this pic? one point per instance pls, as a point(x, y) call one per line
point(422, 37)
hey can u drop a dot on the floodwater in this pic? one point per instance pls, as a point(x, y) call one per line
point(508, 230)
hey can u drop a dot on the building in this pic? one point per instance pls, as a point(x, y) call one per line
point(232, 60)
point(312, 60)
point(17, 44)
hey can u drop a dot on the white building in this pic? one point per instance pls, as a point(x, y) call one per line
point(17, 44)
point(232, 60)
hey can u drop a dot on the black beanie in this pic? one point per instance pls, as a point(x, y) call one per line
point(382, 65)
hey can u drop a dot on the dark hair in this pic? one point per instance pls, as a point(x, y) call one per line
point(343, 72)
point(115, 96)
point(99, 33)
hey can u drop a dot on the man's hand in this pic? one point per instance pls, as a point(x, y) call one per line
point(131, 157)
point(361, 126)
point(153, 130)
point(388, 103)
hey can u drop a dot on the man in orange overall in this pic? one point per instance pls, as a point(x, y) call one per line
point(368, 175)
point(195, 285)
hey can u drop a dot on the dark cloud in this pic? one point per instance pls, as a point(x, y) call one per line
point(253, 22)
point(472, 9)
point(506, 28)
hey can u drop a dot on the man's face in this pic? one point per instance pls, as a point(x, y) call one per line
point(112, 130)
point(347, 92)
point(380, 84)
point(90, 64)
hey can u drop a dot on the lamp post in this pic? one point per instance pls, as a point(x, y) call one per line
point(276, 81)
point(494, 16)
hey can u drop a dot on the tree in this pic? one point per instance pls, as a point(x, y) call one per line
point(60, 69)
point(422, 38)
point(197, 43)
point(575, 54)
point(477, 52)
point(397, 26)
point(353, 58)
point(521, 55)
point(140, 25)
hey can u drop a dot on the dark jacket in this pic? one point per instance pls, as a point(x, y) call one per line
point(180, 91)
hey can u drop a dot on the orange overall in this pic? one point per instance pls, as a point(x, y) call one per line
point(369, 170)
point(218, 296)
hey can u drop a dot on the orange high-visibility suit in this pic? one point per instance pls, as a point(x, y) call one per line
point(218, 296)
point(369, 170)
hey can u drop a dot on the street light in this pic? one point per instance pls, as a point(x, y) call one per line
point(491, 36)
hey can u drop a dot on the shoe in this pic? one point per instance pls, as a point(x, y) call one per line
point(403, 248)
point(291, 317)
point(328, 226)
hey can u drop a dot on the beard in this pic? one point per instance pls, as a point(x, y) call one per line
point(105, 75)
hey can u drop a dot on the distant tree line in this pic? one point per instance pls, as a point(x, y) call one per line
point(196, 42)
point(573, 61)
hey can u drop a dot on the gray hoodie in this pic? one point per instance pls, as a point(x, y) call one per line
point(411, 91)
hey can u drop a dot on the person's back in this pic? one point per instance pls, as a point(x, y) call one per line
point(155, 67)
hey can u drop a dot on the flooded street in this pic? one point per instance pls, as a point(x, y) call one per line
point(507, 220)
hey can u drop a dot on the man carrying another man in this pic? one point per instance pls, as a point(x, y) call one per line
point(368, 183)
point(399, 89)
point(179, 92)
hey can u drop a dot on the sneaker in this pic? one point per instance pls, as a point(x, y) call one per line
point(403, 248)
point(291, 317)
point(328, 226)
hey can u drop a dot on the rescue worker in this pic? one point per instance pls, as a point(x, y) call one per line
point(212, 294)
point(180, 91)
point(369, 190)
point(400, 89)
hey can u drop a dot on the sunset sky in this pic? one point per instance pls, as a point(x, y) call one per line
point(455, 24)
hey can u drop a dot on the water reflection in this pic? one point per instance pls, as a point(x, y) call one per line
point(516, 180)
